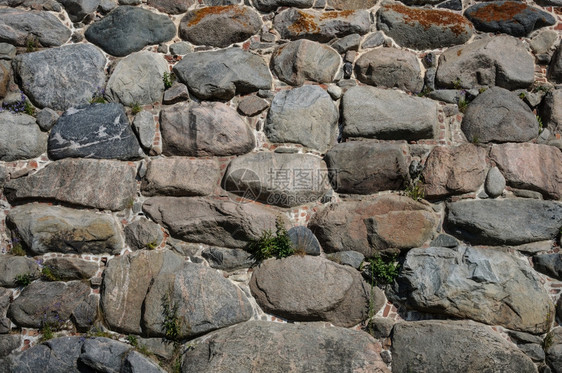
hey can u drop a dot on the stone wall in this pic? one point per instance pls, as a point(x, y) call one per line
point(145, 145)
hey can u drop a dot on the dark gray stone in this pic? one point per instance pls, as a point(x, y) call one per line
point(176, 93)
point(8, 343)
point(5, 300)
point(349, 258)
point(72, 268)
point(549, 264)
point(444, 240)
point(103, 354)
point(222, 74)
point(269, 5)
point(128, 29)
point(510, 17)
point(135, 362)
point(47, 118)
point(553, 350)
point(372, 40)
point(20, 137)
point(95, 131)
point(55, 355)
point(171, 6)
point(504, 222)
point(143, 234)
point(555, 68)
point(347, 43)
point(19, 27)
point(228, 259)
point(534, 351)
point(551, 111)
point(63, 77)
point(13, 266)
point(181, 48)
point(78, 9)
point(86, 313)
point(304, 241)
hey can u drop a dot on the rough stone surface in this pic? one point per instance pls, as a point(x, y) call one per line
point(222, 74)
point(181, 177)
point(252, 105)
point(78, 9)
point(18, 26)
point(549, 264)
point(543, 41)
point(20, 137)
point(341, 226)
point(351, 4)
point(497, 61)
point(304, 241)
point(72, 268)
point(498, 115)
point(510, 17)
point(176, 93)
point(47, 118)
point(302, 60)
point(13, 266)
point(495, 182)
point(137, 79)
point(505, 222)
point(229, 24)
point(128, 29)
point(529, 166)
point(103, 354)
point(60, 78)
point(5, 323)
point(554, 352)
point(145, 128)
point(311, 347)
point(484, 285)
point(102, 184)
point(9, 343)
point(305, 115)
point(207, 129)
point(311, 289)
point(350, 258)
point(285, 180)
point(420, 28)
point(269, 5)
point(219, 223)
point(143, 234)
point(451, 341)
point(390, 67)
point(135, 362)
point(171, 6)
point(228, 259)
point(94, 131)
point(320, 26)
point(387, 114)
point(551, 111)
point(555, 68)
point(366, 167)
point(347, 43)
point(454, 170)
point(55, 355)
point(45, 228)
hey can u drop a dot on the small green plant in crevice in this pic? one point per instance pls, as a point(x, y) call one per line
point(30, 44)
point(152, 245)
point(172, 322)
point(24, 279)
point(541, 88)
point(133, 341)
point(426, 90)
point(29, 109)
point(415, 190)
point(522, 95)
point(135, 109)
point(383, 272)
point(168, 79)
point(270, 245)
point(463, 105)
point(50, 274)
point(482, 90)
point(98, 97)
point(539, 120)
point(17, 248)
point(548, 341)
point(47, 332)
point(475, 140)
point(457, 84)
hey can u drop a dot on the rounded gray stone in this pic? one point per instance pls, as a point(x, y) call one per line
point(495, 183)
point(20, 137)
point(304, 240)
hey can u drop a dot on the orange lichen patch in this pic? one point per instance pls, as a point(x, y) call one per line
point(304, 23)
point(430, 17)
point(199, 14)
point(499, 12)
point(336, 14)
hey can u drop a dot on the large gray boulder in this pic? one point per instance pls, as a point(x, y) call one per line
point(420, 28)
point(504, 222)
point(212, 222)
point(456, 346)
point(484, 285)
point(94, 131)
point(138, 79)
point(229, 24)
point(305, 115)
point(13, 266)
point(45, 229)
point(501, 60)
point(366, 167)
point(285, 180)
point(390, 67)
point(298, 61)
point(223, 73)
point(308, 288)
point(101, 184)
point(128, 29)
point(20, 137)
point(387, 114)
point(206, 129)
point(19, 27)
point(60, 78)
point(312, 348)
point(498, 115)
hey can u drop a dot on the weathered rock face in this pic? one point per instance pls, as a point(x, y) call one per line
point(222, 74)
point(498, 115)
point(311, 347)
point(509, 17)
point(420, 28)
point(390, 67)
point(529, 166)
point(351, 4)
point(227, 259)
point(487, 350)
point(457, 170)
point(208, 129)
point(230, 24)
point(128, 29)
point(71, 268)
point(344, 226)
point(320, 26)
point(18, 26)
point(305, 115)
point(302, 60)
point(20, 137)
point(555, 67)
point(507, 222)
point(45, 228)
point(551, 111)
point(143, 234)
point(137, 79)
point(365, 167)
point(310, 288)
point(9, 343)
point(498, 61)
point(479, 284)
point(549, 264)
point(13, 266)
point(277, 179)
point(304, 241)
point(387, 114)
point(61, 78)
point(554, 351)
point(101, 184)
point(171, 6)
point(219, 223)
point(5, 323)
point(94, 131)
point(269, 5)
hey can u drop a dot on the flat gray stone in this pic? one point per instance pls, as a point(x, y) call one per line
point(181, 48)
point(103, 354)
point(20, 137)
point(5, 300)
point(228, 259)
point(350, 258)
point(145, 128)
point(19, 26)
point(13, 266)
point(72, 268)
point(543, 41)
point(444, 240)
